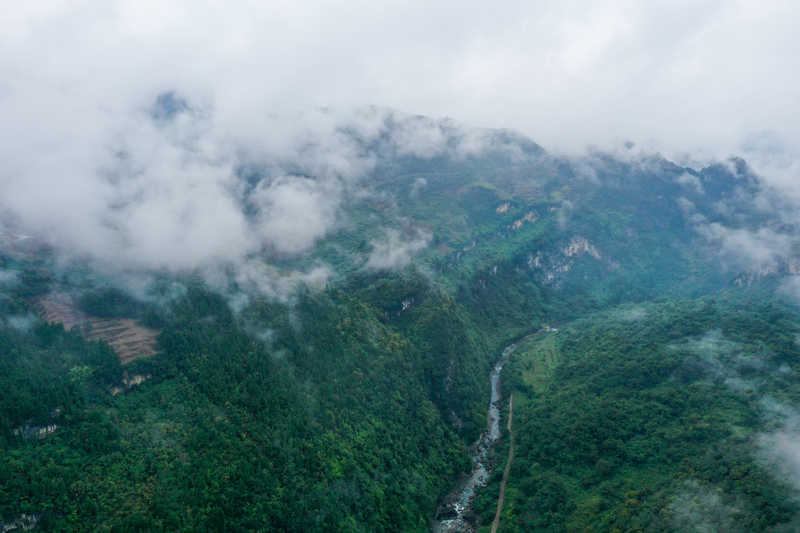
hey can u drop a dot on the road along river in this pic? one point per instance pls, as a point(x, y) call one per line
point(455, 514)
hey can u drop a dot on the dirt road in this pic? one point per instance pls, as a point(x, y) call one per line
point(508, 465)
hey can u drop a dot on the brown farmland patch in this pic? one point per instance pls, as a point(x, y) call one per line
point(129, 339)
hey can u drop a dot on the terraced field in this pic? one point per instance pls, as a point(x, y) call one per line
point(129, 339)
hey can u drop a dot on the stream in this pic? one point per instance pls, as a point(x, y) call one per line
point(455, 513)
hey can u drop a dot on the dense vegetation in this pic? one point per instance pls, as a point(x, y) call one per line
point(350, 407)
point(329, 426)
point(645, 418)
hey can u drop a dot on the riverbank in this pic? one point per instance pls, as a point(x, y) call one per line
point(455, 515)
point(502, 496)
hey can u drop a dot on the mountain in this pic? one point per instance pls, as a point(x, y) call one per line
point(337, 387)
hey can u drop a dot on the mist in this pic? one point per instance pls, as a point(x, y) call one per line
point(695, 77)
point(182, 136)
point(172, 189)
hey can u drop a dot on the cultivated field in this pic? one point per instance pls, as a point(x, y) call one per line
point(126, 336)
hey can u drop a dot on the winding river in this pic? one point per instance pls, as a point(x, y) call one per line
point(455, 514)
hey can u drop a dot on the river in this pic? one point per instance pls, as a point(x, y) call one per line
point(455, 514)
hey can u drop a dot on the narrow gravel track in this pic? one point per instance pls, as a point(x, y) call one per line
point(508, 465)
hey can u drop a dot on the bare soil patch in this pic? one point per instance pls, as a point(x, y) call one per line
point(129, 339)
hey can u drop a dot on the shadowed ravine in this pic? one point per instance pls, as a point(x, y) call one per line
point(455, 514)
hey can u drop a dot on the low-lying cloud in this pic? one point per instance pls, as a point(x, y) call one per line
point(753, 222)
point(396, 249)
point(702, 509)
point(175, 135)
point(295, 212)
point(777, 446)
point(172, 188)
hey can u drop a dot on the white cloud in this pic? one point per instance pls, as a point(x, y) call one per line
point(257, 277)
point(693, 75)
point(704, 510)
point(754, 249)
point(418, 185)
point(296, 212)
point(691, 181)
point(396, 249)
point(631, 314)
point(778, 450)
point(81, 159)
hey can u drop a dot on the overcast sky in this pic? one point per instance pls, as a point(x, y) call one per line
point(708, 78)
point(687, 74)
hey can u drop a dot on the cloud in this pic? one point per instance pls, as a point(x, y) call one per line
point(776, 447)
point(566, 73)
point(21, 322)
point(702, 509)
point(756, 249)
point(396, 249)
point(752, 222)
point(778, 450)
point(718, 359)
point(256, 277)
point(564, 214)
point(691, 181)
point(631, 314)
point(418, 185)
point(8, 277)
point(295, 212)
point(776, 157)
point(172, 188)
point(129, 127)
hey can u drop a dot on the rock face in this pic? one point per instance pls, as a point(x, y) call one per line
point(130, 381)
point(35, 431)
point(26, 522)
point(788, 266)
point(580, 245)
point(126, 336)
point(553, 266)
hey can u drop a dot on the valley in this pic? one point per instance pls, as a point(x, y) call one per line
point(345, 388)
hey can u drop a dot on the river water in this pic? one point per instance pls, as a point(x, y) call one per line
point(455, 514)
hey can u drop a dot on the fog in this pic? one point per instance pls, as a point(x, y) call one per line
point(699, 76)
point(127, 126)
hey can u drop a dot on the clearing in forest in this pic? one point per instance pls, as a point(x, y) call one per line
point(129, 339)
point(538, 360)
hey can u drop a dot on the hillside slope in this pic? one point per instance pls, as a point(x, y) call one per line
point(348, 405)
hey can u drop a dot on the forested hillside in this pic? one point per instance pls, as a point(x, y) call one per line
point(349, 404)
point(656, 417)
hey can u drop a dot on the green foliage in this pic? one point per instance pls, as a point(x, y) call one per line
point(49, 370)
point(351, 408)
point(110, 303)
point(642, 405)
point(326, 427)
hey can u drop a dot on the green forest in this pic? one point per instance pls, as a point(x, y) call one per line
point(653, 418)
point(654, 403)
